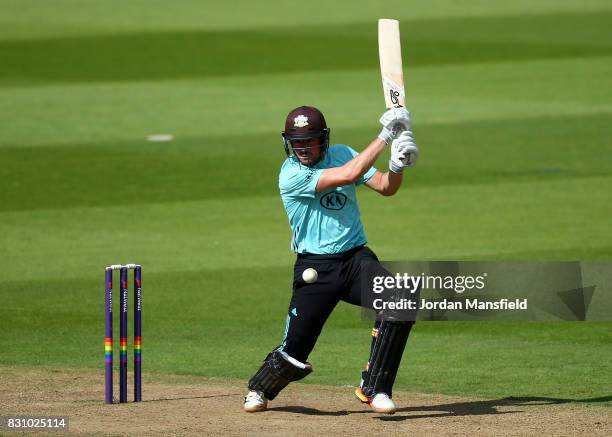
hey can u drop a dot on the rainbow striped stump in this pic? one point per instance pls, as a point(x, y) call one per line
point(137, 334)
point(123, 319)
point(108, 338)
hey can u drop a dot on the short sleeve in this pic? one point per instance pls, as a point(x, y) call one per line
point(368, 174)
point(297, 180)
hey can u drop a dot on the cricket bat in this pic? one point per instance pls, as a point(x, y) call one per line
point(390, 53)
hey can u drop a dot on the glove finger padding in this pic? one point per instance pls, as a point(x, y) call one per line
point(404, 152)
point(394, 116)
point(394, 121)
point(411, 156)
point(395, 163)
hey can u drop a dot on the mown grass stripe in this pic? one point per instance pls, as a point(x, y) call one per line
point(184, 54)
point(481, 152)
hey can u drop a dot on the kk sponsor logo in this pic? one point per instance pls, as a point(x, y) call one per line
point(333, 200)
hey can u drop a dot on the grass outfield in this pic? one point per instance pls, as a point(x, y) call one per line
point(512, 106)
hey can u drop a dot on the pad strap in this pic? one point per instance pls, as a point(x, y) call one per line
point(276, 372)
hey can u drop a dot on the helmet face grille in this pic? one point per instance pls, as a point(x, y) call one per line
point(287, 143)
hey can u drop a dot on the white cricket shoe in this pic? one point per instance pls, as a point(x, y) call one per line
point(255, 401)
point(382, 403)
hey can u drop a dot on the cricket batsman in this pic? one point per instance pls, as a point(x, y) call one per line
point(317, 185)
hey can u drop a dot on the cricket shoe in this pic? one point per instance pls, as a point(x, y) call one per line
point(381, 402)
point(255, 401)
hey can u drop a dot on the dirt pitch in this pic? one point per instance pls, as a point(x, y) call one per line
point(177, 405)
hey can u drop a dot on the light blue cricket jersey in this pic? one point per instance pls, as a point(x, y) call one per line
point(326, 222)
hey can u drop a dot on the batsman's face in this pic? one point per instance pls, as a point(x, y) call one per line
point(307, 151)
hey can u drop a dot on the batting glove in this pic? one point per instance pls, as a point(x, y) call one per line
point(404, 152)
point(394, 121)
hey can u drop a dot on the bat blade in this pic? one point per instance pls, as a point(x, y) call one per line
point(390, 53)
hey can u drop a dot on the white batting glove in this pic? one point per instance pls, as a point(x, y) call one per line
point(394, 121)
point(404, 152)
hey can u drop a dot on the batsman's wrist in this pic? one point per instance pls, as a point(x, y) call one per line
point(386, 135)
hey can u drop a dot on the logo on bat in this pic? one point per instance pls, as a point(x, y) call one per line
point(395, 98)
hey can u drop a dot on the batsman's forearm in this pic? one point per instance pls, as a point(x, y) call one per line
point(360, 164)
point(391, 183)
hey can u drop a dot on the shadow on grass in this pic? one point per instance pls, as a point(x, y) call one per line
point(470, 408)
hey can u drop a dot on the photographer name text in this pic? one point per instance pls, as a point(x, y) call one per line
point(448, 304)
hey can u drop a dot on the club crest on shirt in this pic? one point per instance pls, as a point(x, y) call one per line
point(300, 121)
point(333, 200)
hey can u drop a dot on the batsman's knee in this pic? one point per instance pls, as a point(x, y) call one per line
point(276, 372)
